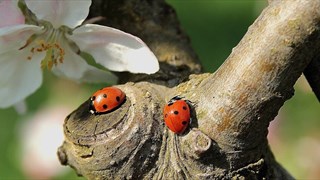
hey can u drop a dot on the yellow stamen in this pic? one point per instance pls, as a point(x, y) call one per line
point(55, 53)
point(50, 64)
point(48, 42)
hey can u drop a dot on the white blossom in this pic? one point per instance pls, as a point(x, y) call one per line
point(52, 37)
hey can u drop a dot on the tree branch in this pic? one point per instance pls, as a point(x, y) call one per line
point(312, 73)
point(233, 106)
point(246, 92)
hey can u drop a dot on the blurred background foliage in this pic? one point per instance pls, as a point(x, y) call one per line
point(215, 27)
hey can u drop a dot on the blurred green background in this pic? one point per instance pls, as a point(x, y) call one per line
point(215, 27)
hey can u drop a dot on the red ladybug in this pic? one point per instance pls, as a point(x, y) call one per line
point(177, 114)
point(106, 99)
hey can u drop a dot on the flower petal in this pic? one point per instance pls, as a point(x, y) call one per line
point(115, 49)
point(19, 77)
point(76, 68)
point(21, 107)
point(67, 12)
point(10, 13)
point(73, 65)
point(95, 75)
point(15, 37)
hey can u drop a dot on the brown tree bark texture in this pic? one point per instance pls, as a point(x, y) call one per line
point(232, 107)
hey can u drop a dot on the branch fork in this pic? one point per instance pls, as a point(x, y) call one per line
point(233, 106)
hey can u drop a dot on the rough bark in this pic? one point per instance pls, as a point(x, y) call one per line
point(232, 107)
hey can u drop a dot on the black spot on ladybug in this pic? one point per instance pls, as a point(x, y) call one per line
point(93, 98)
point(118, 98)
point(104, 95)
point(176, 112)
point(184, 122)
point(105, 106)
point(166, 115)
point(184, 107)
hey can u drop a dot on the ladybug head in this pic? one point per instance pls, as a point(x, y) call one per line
point(92, 109)
point(174, 99)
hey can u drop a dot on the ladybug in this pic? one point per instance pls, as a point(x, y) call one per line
point(176, 114)
point(106, 99)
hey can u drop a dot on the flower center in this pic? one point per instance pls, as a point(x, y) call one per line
point(50, 43)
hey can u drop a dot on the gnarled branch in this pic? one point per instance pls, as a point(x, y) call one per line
point(233, 106)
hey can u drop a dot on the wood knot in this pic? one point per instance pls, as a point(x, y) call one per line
point(114, 144)
point(202, 143)
point(196, 143)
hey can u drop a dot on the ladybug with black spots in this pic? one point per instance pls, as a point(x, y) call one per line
point(106, 100)
point(176, 114)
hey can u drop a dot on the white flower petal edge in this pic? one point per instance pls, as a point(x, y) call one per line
point(21, 107)
point(10, 13)
point(115, 49)
point(60, 12)
point(19, 77)
point(76, 68)
point(14, 37)
point(95, 75)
